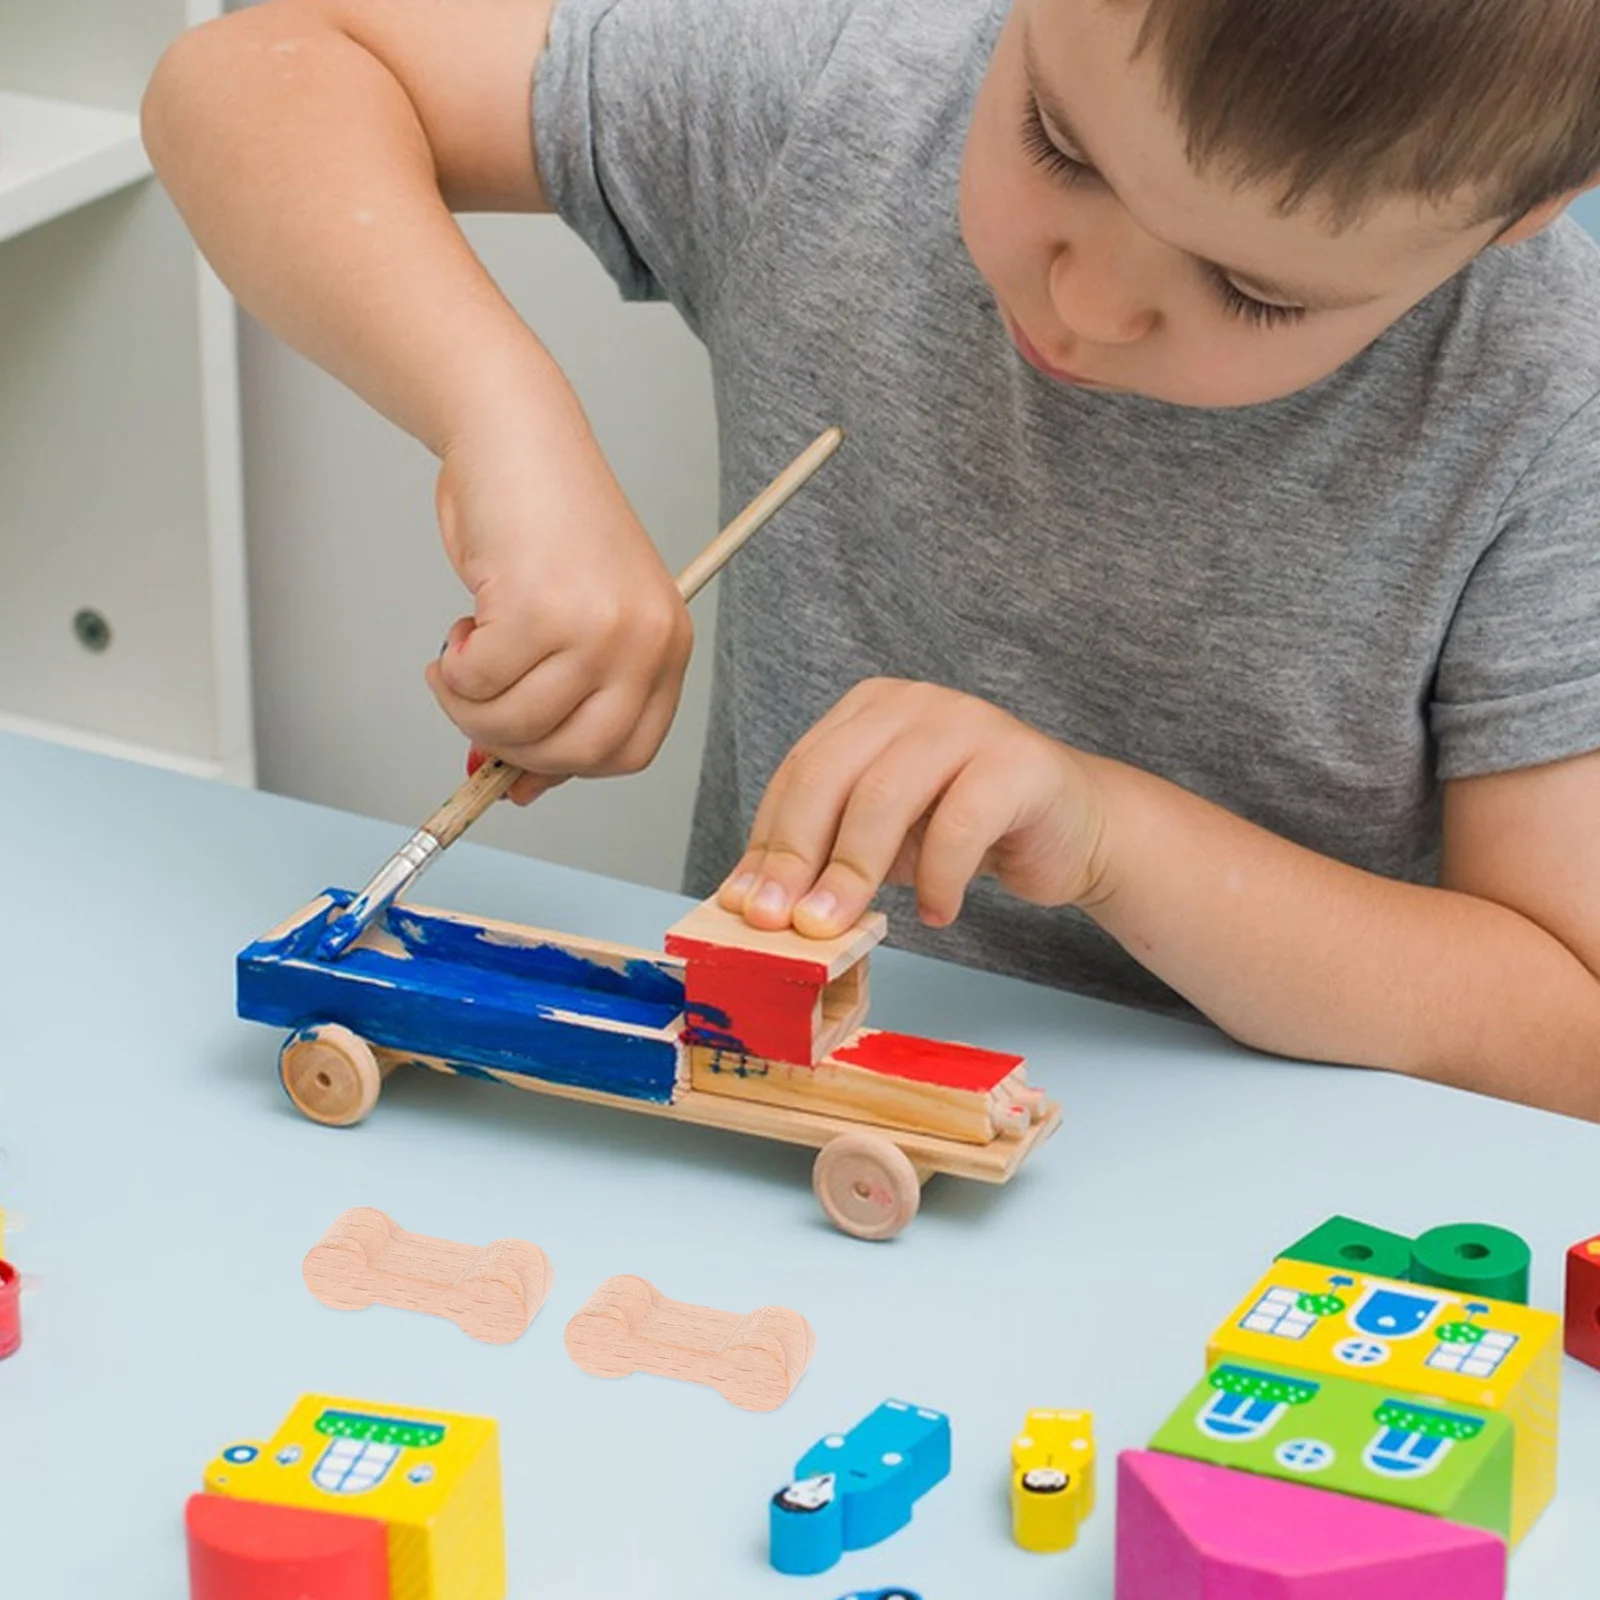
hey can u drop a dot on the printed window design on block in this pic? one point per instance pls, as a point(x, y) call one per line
point(1283, 1313)
point(361, 1449)
point(1247, 1405)
point(1465, 1347)
point(1413, 1440)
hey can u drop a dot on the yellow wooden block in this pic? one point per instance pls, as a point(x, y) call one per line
point(431, 1476)
point(1418, 1340)
point(1052, 1479)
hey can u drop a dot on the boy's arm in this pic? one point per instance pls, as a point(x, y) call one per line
point(316, 148)
point(1490, 982)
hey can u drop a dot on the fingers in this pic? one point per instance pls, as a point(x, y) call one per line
point(913, 783)
point(845, 812)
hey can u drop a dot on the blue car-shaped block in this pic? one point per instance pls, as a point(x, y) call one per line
point(854, 1489)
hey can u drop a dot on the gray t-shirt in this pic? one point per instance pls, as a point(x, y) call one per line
point(1309, 611)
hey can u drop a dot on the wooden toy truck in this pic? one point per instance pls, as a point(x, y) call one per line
point(729, 1027)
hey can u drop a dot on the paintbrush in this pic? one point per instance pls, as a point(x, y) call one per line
point(492, 780)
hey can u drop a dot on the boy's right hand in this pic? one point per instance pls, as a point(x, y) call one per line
point(572, 661)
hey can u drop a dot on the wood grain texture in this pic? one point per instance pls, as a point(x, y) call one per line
point(708, 932)
point(754, 1361)
point(992, 1163)
point(840, 1088)
point(491, 1293)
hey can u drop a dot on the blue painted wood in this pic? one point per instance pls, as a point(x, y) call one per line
point(455, 991)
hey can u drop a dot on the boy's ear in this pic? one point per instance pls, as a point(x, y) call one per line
point(1542, 215)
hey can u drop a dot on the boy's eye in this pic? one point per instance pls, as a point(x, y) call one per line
point(1044, 152)
point(1258, 313)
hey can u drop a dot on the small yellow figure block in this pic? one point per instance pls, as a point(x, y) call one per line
point(1415, 1339)
point(432, 1477)
point(1052, 1479)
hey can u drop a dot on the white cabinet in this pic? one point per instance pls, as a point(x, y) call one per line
point(122, 590)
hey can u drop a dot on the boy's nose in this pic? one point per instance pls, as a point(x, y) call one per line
point(1095, 301)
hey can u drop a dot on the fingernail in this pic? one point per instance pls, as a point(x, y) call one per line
point(770, 897)
point(821, 904)
point(741, 884)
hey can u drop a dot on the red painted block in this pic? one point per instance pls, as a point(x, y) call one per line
point(760, 1005)
point(10, 1309)
point(955, 1066)
point(244, 1550)
point(1187, 1530)
point(1583, 1302)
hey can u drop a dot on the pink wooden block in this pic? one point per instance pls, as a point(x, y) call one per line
point(1187, 1530)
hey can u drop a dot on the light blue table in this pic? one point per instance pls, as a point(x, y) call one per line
point(169, 1193)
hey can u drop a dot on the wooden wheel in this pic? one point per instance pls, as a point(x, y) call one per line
point(867, 1185)
point(330, 1073)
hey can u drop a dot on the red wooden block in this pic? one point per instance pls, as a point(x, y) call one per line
point(757, 1004)
point(244, 1550)
point(1583, 1302)
point(10, 1309)
point(955, 1066)
point(1187, 1530)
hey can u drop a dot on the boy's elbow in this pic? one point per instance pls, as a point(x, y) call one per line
point(204, 86)
point(182, 89)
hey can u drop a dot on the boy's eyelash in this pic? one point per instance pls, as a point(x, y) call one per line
point(1044, 152)
point(1258, 313)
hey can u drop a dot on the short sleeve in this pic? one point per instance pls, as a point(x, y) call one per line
point(1518, 682)
point(658, 123)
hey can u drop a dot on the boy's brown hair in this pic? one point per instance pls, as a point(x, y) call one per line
point(1354, 100)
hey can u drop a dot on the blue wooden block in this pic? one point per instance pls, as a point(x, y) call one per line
point(854, 1489)
point(442, 986)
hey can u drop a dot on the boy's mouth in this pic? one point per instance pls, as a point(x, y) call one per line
point(1030, 353)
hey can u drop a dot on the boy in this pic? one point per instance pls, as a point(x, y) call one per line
point(1209, 591)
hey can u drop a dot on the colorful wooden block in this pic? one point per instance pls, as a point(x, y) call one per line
point(854, 1489)
point(1413, 1339)
point(1473, 1258)
point(1052, 1479)
point(430, 1477)
point(244, 1550)
point(10, 1310)
point(1582, 1320)
point(1353, 1246)
point(491, 1293)
point(1349, 1437)
point(753, 1360)
point(775, 996)
point(1187, 1530)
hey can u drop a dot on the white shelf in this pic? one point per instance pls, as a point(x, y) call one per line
point(56, 156)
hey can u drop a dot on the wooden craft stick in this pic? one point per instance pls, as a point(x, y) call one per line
point(754, 1361)
point(491, 1293)
point(493, 780)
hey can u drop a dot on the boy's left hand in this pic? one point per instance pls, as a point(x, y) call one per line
point(911, 783)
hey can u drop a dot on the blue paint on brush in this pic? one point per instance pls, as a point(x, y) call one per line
point(340, 933)
point(541, 1011)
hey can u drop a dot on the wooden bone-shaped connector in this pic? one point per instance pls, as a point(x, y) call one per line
point(491, 1293)
point(754, 1361)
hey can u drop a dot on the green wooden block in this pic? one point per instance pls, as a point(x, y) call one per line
point(1473, 1258)
point(1352, 1246)
point(1349, 1436)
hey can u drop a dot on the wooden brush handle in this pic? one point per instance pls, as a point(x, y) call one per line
point(493, 780)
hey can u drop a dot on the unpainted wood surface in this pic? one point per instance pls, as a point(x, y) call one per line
point(754, 1360)
point(491, 1292)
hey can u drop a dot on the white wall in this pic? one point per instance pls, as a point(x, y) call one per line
point(351, 594)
